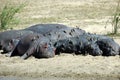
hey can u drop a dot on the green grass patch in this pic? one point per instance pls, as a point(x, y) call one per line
point(7, 15)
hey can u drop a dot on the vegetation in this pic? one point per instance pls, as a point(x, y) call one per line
point(7, 15)
point(116, 19)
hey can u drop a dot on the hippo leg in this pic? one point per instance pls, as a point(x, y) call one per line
point(29, 52)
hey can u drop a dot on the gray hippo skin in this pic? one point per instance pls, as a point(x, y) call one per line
point(55, 36)
point(33, 44)
point(24, 44)
point(6, 43)
point(9, 39)
point(109, 47)
point(78, 45)
point(50, 38)
point(90, 43)
point(45, 28)
point(40, 48)
point(106, 44)
point(7, 36)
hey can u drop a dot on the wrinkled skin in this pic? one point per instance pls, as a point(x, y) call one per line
point(55, 36)
point(109, 47)
point(40, 48)
point(9, 39)
point(7, 36)
point(89, 43)
point(33, 44)
point(8, 45)
point(77, 45)
point(24, 44)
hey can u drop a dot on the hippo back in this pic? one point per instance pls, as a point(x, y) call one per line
point(61, 34)
point(45, 28)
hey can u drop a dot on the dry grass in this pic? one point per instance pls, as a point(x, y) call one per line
point(69, 12)
point(90, 15)
point(65, 65)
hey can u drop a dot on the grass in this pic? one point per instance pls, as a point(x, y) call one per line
point(7, 15)
point(116, 19)
point(69, 12)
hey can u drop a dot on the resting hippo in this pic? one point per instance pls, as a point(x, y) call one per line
point(40, 48)
point(106, 44)
point(6, 43)
point(78, 45)
point(33, 44)
point(7, 38)
point(50, 38)
point(109, 47)
point(90, 43)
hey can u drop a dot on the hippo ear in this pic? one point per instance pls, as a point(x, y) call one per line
point(34, 38)
point(14, 41)
point(73, 30)
point(45, 45)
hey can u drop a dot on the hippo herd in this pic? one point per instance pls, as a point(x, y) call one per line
point(48, 40)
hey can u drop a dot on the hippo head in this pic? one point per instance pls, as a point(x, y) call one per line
point(109, 47)
point(94, 49)
point(45, 48)
point(8, 45)
point(40, 48)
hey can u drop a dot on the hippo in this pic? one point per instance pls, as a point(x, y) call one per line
point(40, 48)
point(78, 45)
point(33, 44)
point(88, 43)
point(6, 42)
point(109, 47)
point(8, 39)
point(50, 37)
point(7, 36)
point(106, 44)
